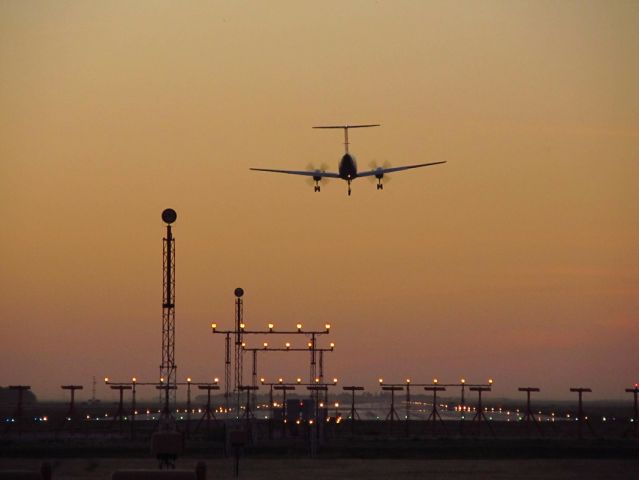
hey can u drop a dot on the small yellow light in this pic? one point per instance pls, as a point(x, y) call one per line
point(288, 345)
point(188, 379)
point(243, 344)
point(381, 380)
point(280, 380)
point(299, 326)
point(161, 379)
point(106, 379)
point(262, 379)
point(213, 326)
point(335, 380)
point(327, 326)
point(336, 404)
point(242, 326)
point(310, 344)
point(215, 380)
point(435, 380)
point(134, 379)
point(408, 380)
point(316, 380)
point(332, 345)
point(299, 380)
point(463, 380)
point(265, 344)
point(270, 326)
point(490, 381)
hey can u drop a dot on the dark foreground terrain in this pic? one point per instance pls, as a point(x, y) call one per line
point(321, 468)
point(367, 450)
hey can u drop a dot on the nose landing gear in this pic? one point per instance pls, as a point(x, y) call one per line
point(349, 187)
point(380, 185)
point(316, 188)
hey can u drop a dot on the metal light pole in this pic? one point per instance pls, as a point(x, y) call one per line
point(529, 413)
point(581, 418)
point(434, 413)
point(635, 415)
point(18, 415)
point(354, 413)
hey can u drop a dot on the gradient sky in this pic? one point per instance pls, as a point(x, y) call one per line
point(517, 260)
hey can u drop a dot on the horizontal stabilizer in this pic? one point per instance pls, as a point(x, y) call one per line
point(349, 126)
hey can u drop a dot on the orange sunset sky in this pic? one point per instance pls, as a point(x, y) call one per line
point(517, 260)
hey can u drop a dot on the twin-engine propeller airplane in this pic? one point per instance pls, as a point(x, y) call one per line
point(348, 166)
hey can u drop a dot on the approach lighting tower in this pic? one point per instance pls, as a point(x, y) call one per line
point(168, 367)
point(239, 329)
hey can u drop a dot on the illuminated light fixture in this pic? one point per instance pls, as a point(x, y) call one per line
point(262, 380)
point(316, 380)
point(106, 379)
point(335, 380)
point(188, 379)
point(270, 327)
point(243, 344)
point(280, 380)
point(336, 404)
point(161, 379)
point(242, 326)
point(299, 380)
point(215, 380)
point(408, 380)
point(213, 326)
point(381, 380)
point(490, 381)
point(332, 345)
point(134, 379)
point(299, 327)
point(435, 380)
point(327, 326)
point(310, 344)
point(463, 380)
point(288, 345)
point(265, 344)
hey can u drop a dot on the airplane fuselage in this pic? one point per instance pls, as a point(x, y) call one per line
point(348, 167)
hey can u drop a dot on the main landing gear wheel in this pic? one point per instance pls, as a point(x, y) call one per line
point(316, 188)
point(380, 186)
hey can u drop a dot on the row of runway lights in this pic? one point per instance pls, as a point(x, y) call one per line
point(466, 409)
point(338, 418)
point(271, 327)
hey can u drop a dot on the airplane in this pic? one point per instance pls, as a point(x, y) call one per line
point(347, 169)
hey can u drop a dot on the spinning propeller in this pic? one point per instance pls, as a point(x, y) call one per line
point(317, 179)
point(379, 175)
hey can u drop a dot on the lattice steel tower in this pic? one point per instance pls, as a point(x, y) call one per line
point(168, 367)
point(239, 328)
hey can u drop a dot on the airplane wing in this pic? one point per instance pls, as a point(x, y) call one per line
point(308, 173)
point(377, 171)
